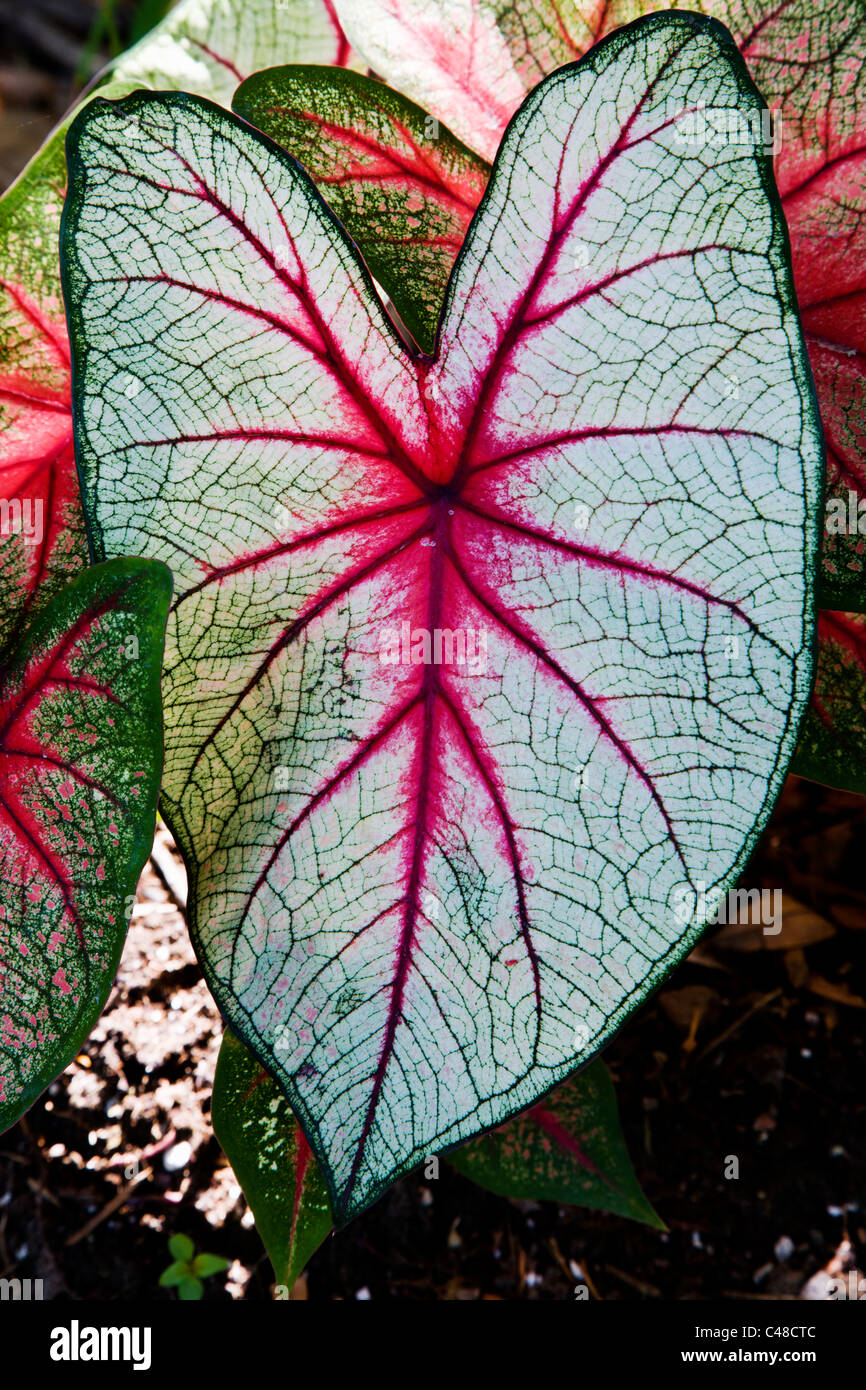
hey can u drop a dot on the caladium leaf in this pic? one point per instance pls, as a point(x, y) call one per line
point(398, 180)
point(271, 1160)
point(464, 58)
point(80, 759)
point(203, 46)
point(471, 62)
point(832, 747)
point(568, 1148)
point(478, 667)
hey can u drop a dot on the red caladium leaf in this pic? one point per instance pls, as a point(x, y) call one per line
point(80, 760)
point(396, 178)
point(832, 745)
point(479, 665)
point(203, 46)
point(568, 1148)
point(470, 63)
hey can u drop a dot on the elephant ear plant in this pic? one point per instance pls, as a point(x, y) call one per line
point(481, 659)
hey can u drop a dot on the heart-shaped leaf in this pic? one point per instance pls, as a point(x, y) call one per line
point(569, 1148)
point(478, 667)
point(271, 1160)
point(80, 759)
point(203, 46)
point(832, 745)
point(470, 62)
point(396, 178)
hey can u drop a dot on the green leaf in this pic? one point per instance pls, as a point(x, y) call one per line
point(832, 747)
point(203, 46)
point(80, 759)
point(479, 666)
point(271, 1160)
point(181, 1247)
point(569, 1148)
point(204, 1266)
point(190, 1290)
point(401, 184)
point(176, 1274)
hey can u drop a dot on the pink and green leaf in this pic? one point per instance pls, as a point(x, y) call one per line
point(433, 874)
point(203, 46)
point(832, 747)
point(568, 1148)
point(271, 1160)
point(80, 761)
point(401, 184)
point(470, 63)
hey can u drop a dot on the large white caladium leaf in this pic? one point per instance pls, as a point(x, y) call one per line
point(202, 46)
point(484, 671)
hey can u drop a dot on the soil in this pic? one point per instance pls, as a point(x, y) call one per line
point(753, 1051)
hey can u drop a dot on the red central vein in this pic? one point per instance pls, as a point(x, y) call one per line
point(425, 756)
point(554, 1128)
point(343, 49)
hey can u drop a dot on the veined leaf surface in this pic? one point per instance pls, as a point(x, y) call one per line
point(399, 181)
point(470, 62)
point(568, 1148)
point(271, 1160)
point(203, 46)
point(832, 745)
point(80, 759)
point(433, 873)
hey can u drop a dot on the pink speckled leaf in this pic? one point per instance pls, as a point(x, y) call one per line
point(832, 747)
point(80, 759)
point(568, 1148)
point(476, 663)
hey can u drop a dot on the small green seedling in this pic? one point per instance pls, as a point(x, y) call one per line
point(189, 1269)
